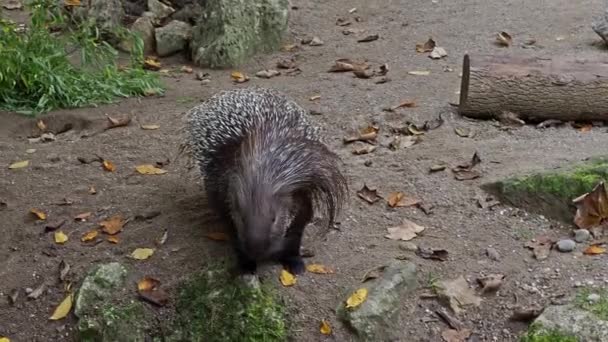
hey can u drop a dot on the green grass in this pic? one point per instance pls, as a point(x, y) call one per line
point(213, 306)
point(537, 334)
point(599, 308)
point(38, 72)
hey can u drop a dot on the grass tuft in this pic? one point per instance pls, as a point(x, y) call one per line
point(538, 334)
point(56, 64)
point(598, 308)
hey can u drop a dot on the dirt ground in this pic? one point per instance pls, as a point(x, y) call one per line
point(28, 256)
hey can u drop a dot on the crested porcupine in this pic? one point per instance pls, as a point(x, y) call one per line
point(265, 169)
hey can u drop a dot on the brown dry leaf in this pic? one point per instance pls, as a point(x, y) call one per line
point(41, 125)
point(63, 309)
point(83, 217)
point(465, 171)
point(19, 164)
point(504, 39)
point(108, 166)
point(142, 253)
point(406, 231)
point(432, 253)
point(117, 122)
point(370, 195)
point(592, 207)
point(186, 69)
point(287, 279)
point(90, 235)
point(398, 199)
point(541, 246)
point(319, 269)
point(356, 298)
point(325, 329)
point(239, 77)
point(60, 237)
point(457, 294)
point(373, 273)
point(368, 133)
point(152, 63)
point(113, 225)
point(149, 289)
point(428, 46)
point(217, 236)
point(147, 284)
point(452, 335)
point(345, 64)
point(594, 250)
point(369, 38)
point(149, 169)
point(38, 213)
point(364, 149)
point(92, 190)
point(491, 282)
point(113, 239)
point(150, 127)
point(71, 2)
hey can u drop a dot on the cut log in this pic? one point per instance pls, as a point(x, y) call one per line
point(534, 89)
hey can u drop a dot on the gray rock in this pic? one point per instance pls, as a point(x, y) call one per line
point(231, 31)
point(107, 14)
point(492, 253)
point(569, 319)
point(159, 9)
point(566, 245)
point(581, 235)
point(188, 14)
point(144, 27)
point(373, 319)
point(600, 25)
point(408, 246)
point(593, 298)
point(172, 38)
point(98, 286)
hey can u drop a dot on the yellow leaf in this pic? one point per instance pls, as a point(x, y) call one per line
point(150, 127)
point(19, 164)
point(41, 215)
point(356, 298)
point(149, 169)
point(318, 268)
point(113, 225)
point(147, 284)
point(142, 253)
point(41, 125)
point(4, 339)
point(72, 2)
point(108, 166)
point(113, 239)
point(239, 77)
point(594, 250)
point(287, 279)
point(325, 328)
point(217, 236)
point(151, 63)
point(90, 235)
point(60, 237)
point(63, 309)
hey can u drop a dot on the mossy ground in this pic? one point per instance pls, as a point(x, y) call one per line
point(537, 333)
point(214, 306)
point(598, 308)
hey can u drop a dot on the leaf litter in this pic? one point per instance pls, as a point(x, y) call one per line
point(432, 253)
point(63, 309)
point(465, 171)
point(398, 199)
point(113, 225)
point(319, 269)
point(370, 195)
point(457, 294)
point(149, 289)
point(592, 207)
point(405, 232)
point(491, 282)
point(286, 278)
point(356, 298)
point(541, 246)
point(142, 253)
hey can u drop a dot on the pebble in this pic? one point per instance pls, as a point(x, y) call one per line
point(593, 298)
point(566, 245)
point(581, 235)
point(408, 246)
point(492, 253)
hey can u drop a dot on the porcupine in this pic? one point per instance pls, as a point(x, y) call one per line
point(265, 168)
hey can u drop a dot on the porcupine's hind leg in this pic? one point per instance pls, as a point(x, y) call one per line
point(290, 256)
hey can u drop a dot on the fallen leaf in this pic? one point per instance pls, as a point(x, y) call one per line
point(526, 314)
point(463, 132)
point(147, 283)
point(345, 64)
point(149, 169)
point(239, 77)
point(92, 190)
point(71, 2)
point(452, 335)
point(60, 237)
point(41, 125)
point(37, 292)
point(161, 241)
point(398, 199)
point(504, 39)
point(83, 217)
point(427, 46)
point(114, 123)
point(432, 253)
point(108, 166)
point(152, 63)
point(373, 273)
point(403, 104)
point(592, 207)
point(541, 247)
point(356, 298)
point(457, 294)
point(63, 309)
point(287, 279)
point(217, 236)
point(90, 235)
point(370, 195)
point(269, 73)
point(64, 269)
point(142, 253)
point(368, 133)
point(406, 231)
point(364, 149)
point(113, 225)
point(325, 328)
point(437, 168)
point(19, 164)
point(491, 282)
point(438, 53)
point(419, 73)
point(150, 127)
point(369, 38)
point(149, 290)
point(465, 172)
point(4, 339)
point(38, 213)
point(594, 250)
point(113, 239)
point(186, 69)
point(585, 128)
point(319, 269)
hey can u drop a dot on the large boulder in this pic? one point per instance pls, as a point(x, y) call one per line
point(172, 38)
point(231, 31)
point(106, 14)
point(572, 321)
point(144, 27)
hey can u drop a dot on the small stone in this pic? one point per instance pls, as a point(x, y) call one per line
point(144, 26)
point(566, 245)
point(316, 41)
point(408, 246)
point(581, 235)
point(593, 298)
point(492, 253)
point(159, 9)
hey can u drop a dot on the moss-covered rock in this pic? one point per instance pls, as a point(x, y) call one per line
point(551, 193)
point(230, 31)
point(538, 333)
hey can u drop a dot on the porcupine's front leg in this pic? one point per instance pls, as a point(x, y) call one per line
point(290, 257)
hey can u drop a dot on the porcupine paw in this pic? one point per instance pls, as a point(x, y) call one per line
point(294, 264)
